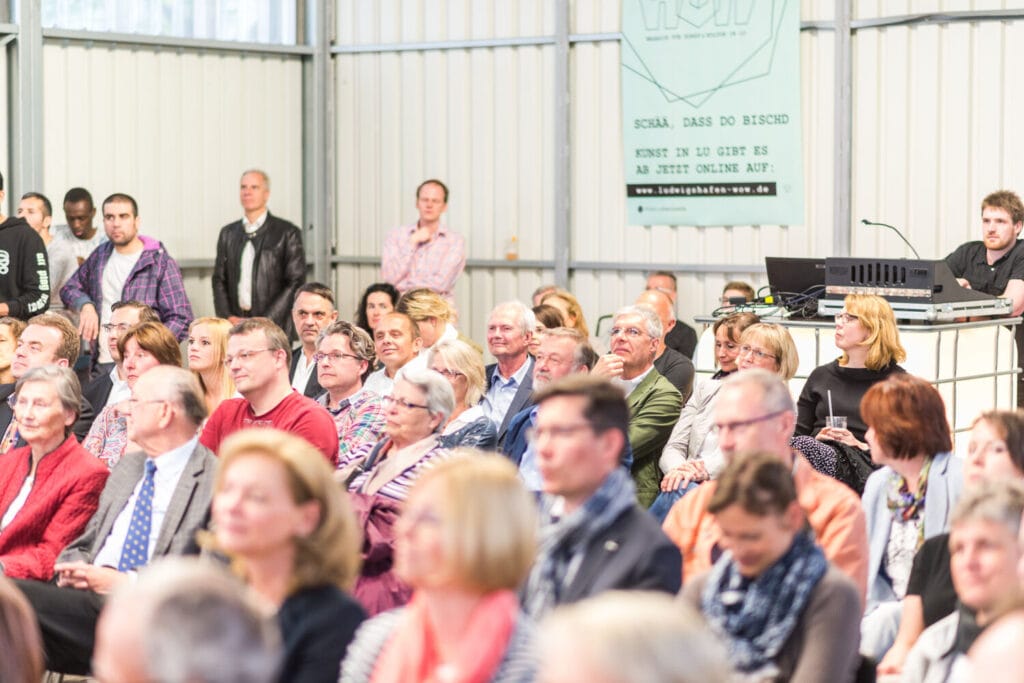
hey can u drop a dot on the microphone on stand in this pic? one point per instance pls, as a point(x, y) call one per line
point(896, 230)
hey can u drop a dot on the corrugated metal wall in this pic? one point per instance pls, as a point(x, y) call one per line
point(175, 129)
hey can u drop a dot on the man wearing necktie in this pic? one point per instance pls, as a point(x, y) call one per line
point(152, 505)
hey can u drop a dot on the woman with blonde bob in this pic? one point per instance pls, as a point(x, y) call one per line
point(207, 348)
point(291, 536)
point(464, 542)
point(463, 367)
point(866, 334)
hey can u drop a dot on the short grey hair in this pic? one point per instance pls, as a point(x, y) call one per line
point(774, 397)
point(440, 397)
point(358, 339)
point(527, 320)
point(64, 380)
point(262, 174)
point(181, 386)
point(651, 320)
point(583, 355)
point(1000, 502)
point(198, 623)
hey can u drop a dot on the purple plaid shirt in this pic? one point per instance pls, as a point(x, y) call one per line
point(436, 264)
point(360, 422)
point(155, 280)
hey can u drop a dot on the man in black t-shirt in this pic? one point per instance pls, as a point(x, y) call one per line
point(995, 264)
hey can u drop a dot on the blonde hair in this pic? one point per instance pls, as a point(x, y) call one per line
point(330, 554)
point(219, 329)
point(779, 342)
point(488, 519)
point(572, 305)
point(422, 303)
point(467, 360)
point(883, 341)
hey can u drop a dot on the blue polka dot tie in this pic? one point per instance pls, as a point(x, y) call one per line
point(136, 546)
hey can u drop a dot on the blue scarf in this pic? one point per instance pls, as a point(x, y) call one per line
point(758, 621)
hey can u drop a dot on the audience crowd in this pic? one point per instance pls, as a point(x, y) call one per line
point(365, 499)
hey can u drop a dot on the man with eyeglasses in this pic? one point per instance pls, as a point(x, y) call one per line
point(48, 339)
point(258, 358)
point(754, 412)
point(596, 537)
point(312, 311)
point(110, 384)
point(344, 354)
point(152, 505)
point(654, 404)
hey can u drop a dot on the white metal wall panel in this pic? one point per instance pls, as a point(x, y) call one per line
point(5, 124)
point(174, 129)
point(368, 22)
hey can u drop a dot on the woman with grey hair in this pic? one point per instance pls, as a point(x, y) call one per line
point(463, 367)
point(51, 487)
point(415, 413)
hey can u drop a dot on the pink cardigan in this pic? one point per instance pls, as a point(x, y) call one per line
point(63, 498)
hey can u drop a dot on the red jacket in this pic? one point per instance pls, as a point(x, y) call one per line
point(63, 498)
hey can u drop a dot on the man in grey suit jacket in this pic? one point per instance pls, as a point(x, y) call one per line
point(167, 408)
point(510, 380)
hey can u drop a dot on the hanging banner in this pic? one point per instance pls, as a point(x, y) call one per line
point(711, 112)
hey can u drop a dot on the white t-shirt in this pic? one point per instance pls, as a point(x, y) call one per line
point(115, 274)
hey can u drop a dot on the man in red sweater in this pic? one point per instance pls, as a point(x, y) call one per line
point(258, 359)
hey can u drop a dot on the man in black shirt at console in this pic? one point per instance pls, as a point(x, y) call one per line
point(995, 264)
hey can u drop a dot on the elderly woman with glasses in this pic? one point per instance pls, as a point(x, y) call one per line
point(866, 334)
point(50, 488)
point(463, 367)
point(415, 414)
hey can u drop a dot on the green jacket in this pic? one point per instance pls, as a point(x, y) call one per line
point(654, 408)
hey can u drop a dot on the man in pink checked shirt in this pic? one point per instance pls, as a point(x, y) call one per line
point(426, 254)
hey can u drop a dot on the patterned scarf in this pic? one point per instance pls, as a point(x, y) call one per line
point(758, 622)
point(563, 541)
point(905, 505)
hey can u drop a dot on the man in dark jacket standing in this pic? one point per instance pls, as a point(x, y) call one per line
point(24, 273)
point(260, 261)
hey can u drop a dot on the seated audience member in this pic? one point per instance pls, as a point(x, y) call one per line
point(292, 537)
point(541, 291)
point(654, 404)
point(909, 499)
point(268, 399)
point(984, 554)
point(510, 379)
point(463, 367)
point(736, 293)
point(152, 505)
point(866, 332)
point(207, 349)
point(397, 342)
point(595, 537)
point(464, 543)
point(784, 612)
point(109, 384)
point(997, 656)
point(673, 366)
point(19, 638)
point(48, 339)
point(754, 412)
point(630, 637)
point(415, 411)
point(569, 306)
point(682, 337)
point(691, 447)
point(378, 300)
point(563, 351)
point(545, 318)
point(186, 620)
point(50, 488)
point(344, 354)
point(10, 330)
point(434, 317)
point(142, 347)
point(426, 253)
point(995, 452)
point(312, 311)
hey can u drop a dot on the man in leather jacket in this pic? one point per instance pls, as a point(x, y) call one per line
point(260, 260)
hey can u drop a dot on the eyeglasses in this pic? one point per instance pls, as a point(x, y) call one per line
point(449, 374)
point(628, 331)
point(243, 356)
point(757, 353)
point(743, 424)
point(535, 434)
point(389, 401)
point(846, 318)
point(120, 327)
point(333, 356)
